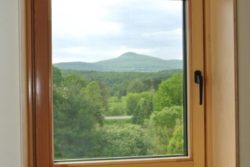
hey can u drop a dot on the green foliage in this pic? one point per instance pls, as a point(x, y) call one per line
point(76, 114)
point(57, 76)
point(72, 84)
point(136, 86)
point(170, 93)
point(97, 98)
point(116, 106)
point(167, 117)
point(176, 143)
point(151, 104)
point(117, 83)
point(131, 103)
point(126, 140)
point(140, 106)
point(164, 125)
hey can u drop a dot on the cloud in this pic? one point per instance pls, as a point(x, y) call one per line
point(78, 19)
point(96, 29)
point(86, 54)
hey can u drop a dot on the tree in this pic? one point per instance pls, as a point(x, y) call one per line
point(126, 140)
point(131, 103)
point(176, 143)
point(80, 104)
point(76, 117)
point(136, 86)
point(170, 93)
point(140, 106)
point(97, 97)
point(162, 127)
point(167, 117)
point(57, 76)
point(116, 106)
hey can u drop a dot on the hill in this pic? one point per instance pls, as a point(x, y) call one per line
point(127, 62)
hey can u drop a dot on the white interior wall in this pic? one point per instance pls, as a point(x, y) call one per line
point(9, 84)
point(244, 79)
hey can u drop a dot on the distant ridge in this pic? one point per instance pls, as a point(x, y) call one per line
point(126, 62)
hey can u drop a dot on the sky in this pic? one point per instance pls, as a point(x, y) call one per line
point(94, 30)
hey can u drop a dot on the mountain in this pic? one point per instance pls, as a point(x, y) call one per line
point(127, 62)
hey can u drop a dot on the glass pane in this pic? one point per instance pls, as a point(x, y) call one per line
point(119, 87)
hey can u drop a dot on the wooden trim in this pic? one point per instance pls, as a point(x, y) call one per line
point(39, 82)
point(186, 161)
point(43, 100)
point(27, 139)
point(196, 58)
point(236, 66)
point(209, 149)
point(39, 79)
point(221, 88)
point(130, 164)
point(23, 85)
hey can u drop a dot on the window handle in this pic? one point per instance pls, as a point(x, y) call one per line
point(198, 79)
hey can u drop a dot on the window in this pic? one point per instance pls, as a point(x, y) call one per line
point(191, 114)
point(119, 90)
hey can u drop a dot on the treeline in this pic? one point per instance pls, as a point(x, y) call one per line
point(83, 100)
point(119, 83)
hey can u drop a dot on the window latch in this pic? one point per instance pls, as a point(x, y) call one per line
point(198, 79)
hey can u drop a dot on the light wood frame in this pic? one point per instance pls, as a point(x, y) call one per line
point(221, 66)
point(39, 140)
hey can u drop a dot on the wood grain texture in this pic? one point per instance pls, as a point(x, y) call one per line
point(25, 64)
point(42, 82)
point(196, 62)
point(172, 162)
point(23, 85)
point(26, 72)
point(221, 85)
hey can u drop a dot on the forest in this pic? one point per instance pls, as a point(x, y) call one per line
point(117, 114)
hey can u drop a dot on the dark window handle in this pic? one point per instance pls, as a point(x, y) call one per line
point(198, 79)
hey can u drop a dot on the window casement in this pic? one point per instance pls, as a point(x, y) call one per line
point(41, 104)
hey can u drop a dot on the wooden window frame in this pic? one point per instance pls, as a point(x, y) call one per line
point(220, 16)
point(39, 134)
